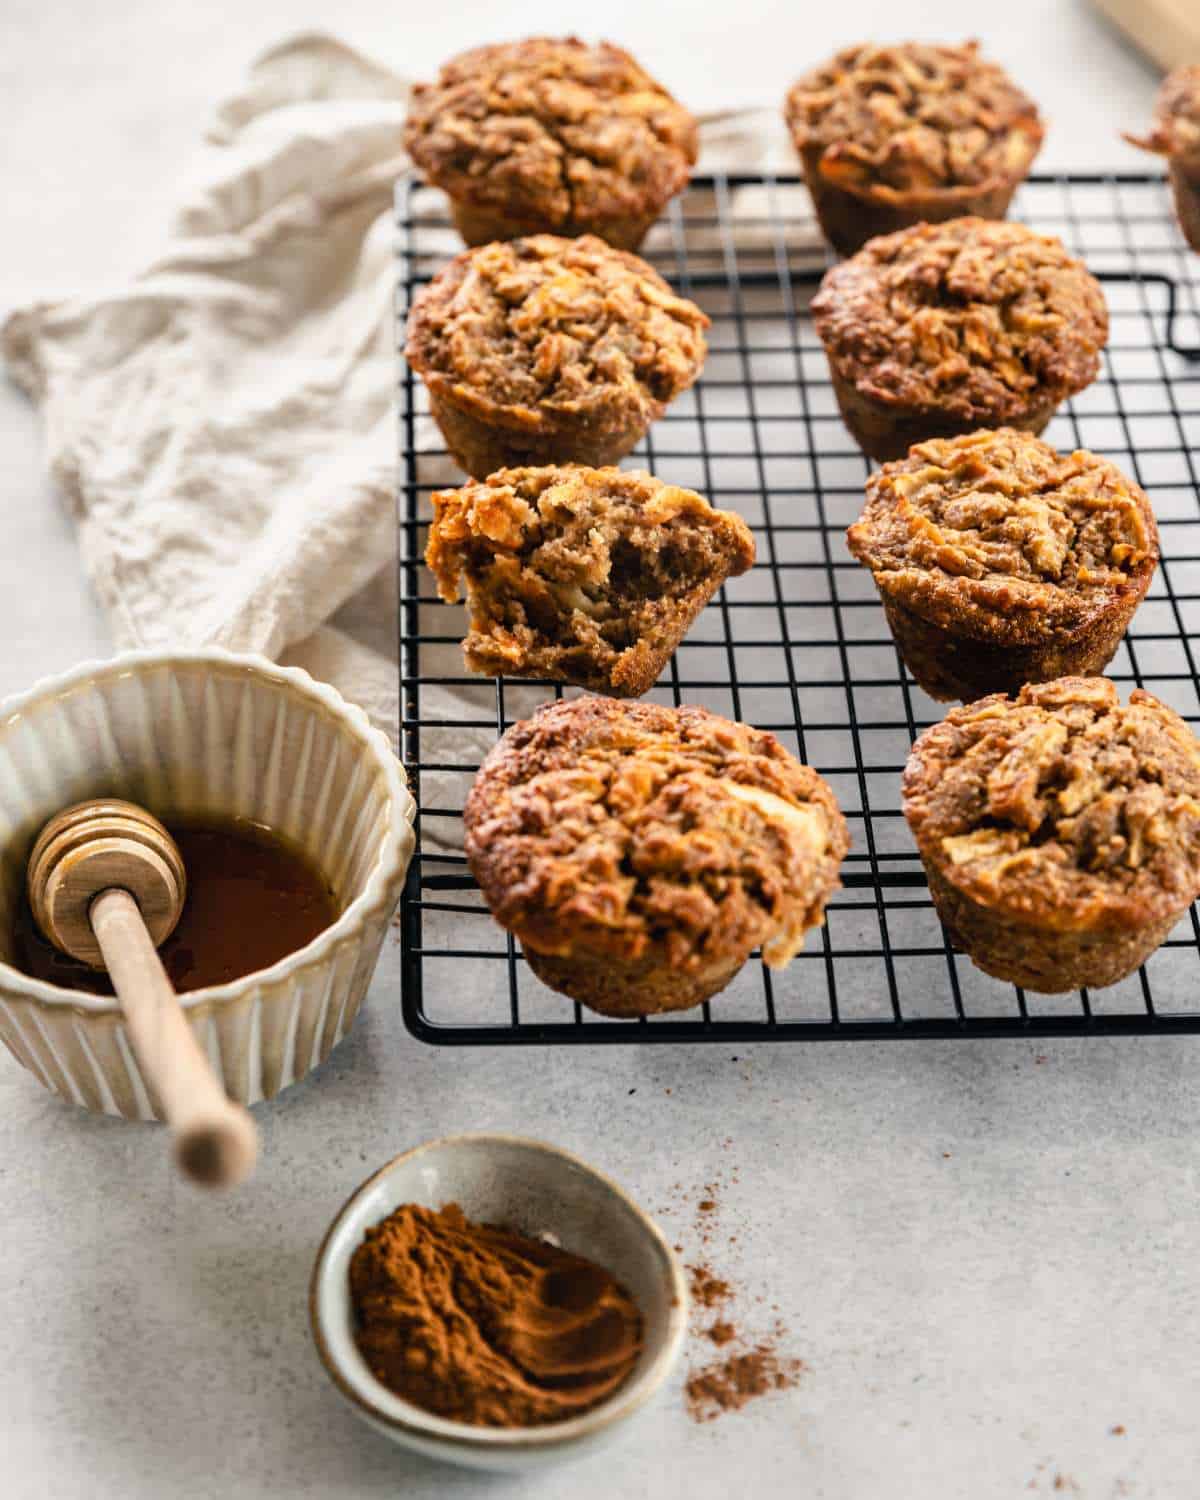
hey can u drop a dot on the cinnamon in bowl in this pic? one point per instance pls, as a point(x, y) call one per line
point(485, 1325)
point(496, 1303)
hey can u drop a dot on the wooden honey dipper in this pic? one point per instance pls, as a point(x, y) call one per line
point(106, 884)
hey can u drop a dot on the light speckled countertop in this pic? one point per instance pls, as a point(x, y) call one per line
point(984, 1251)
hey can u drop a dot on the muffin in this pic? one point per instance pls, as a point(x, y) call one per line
point(551, 136)
point(585, 576)
point(1001, 562)
point(1060, 830)
point(640, 852)
point(893, 136)
point(944, 328)
point(546, 351)
point(1175, 134)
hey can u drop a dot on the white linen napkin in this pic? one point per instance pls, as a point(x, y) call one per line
point(223, 426)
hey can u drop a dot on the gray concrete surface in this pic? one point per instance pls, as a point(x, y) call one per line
point(984, 1253)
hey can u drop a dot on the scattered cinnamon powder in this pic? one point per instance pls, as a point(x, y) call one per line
point(481, 1324)
point(707, 1289)
point(726, 1385)
point(746, 1367)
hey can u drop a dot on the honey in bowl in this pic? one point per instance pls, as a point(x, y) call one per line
point(252, 898)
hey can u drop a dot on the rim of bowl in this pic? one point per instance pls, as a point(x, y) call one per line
point(393, 856)
point(624, 1402)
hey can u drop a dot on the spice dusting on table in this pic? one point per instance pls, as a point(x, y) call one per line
point(706, 1288)
point(742, 1364)
point(728, 1384)
point(481, 1324)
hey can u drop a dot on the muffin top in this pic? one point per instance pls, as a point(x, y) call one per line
point(1061, 807)
point(997, 535)
point(522, 330)
point(630, 830)
point(1175, 130)
point(914, 118)
point(972, 319)
point(552, 130)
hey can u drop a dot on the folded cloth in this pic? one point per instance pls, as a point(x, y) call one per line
point(223, 426)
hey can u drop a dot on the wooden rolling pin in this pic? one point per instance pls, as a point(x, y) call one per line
point(1169, 30)
point(106, 884)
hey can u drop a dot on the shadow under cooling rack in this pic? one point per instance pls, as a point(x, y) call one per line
point(799, 644)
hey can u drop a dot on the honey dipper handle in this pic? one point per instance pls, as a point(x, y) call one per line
point(215, 1140)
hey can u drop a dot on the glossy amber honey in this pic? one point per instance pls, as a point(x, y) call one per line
point(252, 898)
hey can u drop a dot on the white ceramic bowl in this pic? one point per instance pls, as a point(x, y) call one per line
point(205, 732)
point(539, 1190)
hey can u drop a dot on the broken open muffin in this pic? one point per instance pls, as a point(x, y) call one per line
point(640, 853)
point(586, 576)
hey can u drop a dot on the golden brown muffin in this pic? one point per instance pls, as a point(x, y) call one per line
point(1001, 562)
point(893, 136)
point(640, 852)
point(1060, 830)
point(1175, 134)
point(943, 328)
point(551, 136)
point(550, 351)
point(586, 576)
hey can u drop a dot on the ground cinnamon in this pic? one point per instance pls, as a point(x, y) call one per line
point(728, 1384)
point(707, 1289)
point(483, 1325)
point(745, 1367)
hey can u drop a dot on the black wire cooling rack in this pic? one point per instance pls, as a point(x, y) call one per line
point(799, 644)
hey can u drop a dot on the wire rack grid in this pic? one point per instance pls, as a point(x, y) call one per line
point(799, 644)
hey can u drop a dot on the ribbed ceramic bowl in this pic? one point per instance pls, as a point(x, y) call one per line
point(540, 1190)
point(205, 733)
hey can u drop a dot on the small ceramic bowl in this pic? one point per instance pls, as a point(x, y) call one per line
point(541, 1191)
point(212, 734)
